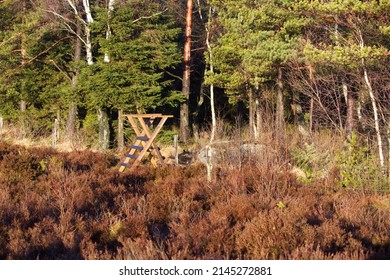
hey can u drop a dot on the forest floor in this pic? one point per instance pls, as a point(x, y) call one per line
point(74, 205)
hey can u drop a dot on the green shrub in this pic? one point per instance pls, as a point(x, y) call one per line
point(312, 162)
point(359, 169)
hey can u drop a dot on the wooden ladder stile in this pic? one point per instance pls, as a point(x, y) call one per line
point(145, 137)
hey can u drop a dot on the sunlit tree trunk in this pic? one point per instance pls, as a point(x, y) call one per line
point(108, 31)
point(258, 118)
point(184, 108)
point(211, 68)
point(251, 113)
point(374, 105)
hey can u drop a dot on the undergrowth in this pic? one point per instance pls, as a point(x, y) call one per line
point(75, 206)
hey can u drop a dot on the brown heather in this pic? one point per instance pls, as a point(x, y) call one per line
point(75, 206)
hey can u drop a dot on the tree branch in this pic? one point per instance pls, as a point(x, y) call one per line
point(59, 69)
point(173, 75)
point(45, 51)
point(9, 39)
point(69, 28)
point(147, 17)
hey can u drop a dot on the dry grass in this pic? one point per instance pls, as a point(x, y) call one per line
point(74, 205)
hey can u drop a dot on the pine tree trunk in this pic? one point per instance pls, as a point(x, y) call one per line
point(280, 109)
point(184, 108)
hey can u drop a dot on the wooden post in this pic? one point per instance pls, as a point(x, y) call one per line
point(55, 134)
point(175, 140)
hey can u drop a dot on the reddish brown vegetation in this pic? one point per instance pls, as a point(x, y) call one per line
point(75, 206)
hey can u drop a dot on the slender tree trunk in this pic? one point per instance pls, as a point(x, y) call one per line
point(23, 53)
point(311, 77)
point(104, 129)
point(72, 111)
point(108, 31)
point(251, 113)
point(359, 110)
point(211, 67)
point(195, 125)
point(280, 109)
point(258, 119)
point(121, 138)
point(184, 108)
point(376, 116)
point(88, 41)
point(350, 122)
point(311, 115)
point(374, 106)
point(88, 45)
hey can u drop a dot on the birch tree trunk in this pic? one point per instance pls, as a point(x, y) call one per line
point(111, 4)
point(374, 105)
point(184, 107)
point(104, 128)
point(211, 68)
point(88, 45)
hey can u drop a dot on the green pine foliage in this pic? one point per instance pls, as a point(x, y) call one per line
point(255, 38)
point(143, 44)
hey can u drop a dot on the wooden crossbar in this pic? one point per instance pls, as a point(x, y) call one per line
point(145, 136)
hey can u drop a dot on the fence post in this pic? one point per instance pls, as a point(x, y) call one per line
point(175, 141)
point(55, 134)
point(1, 127)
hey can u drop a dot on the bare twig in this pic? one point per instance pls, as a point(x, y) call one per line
point(59, 69)
point(147, 17)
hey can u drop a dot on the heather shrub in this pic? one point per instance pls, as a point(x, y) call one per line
point(79, 207)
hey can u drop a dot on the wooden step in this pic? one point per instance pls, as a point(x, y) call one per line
point(139, 148)
point(131, 156)
point(125, 164)
point(142, 138)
